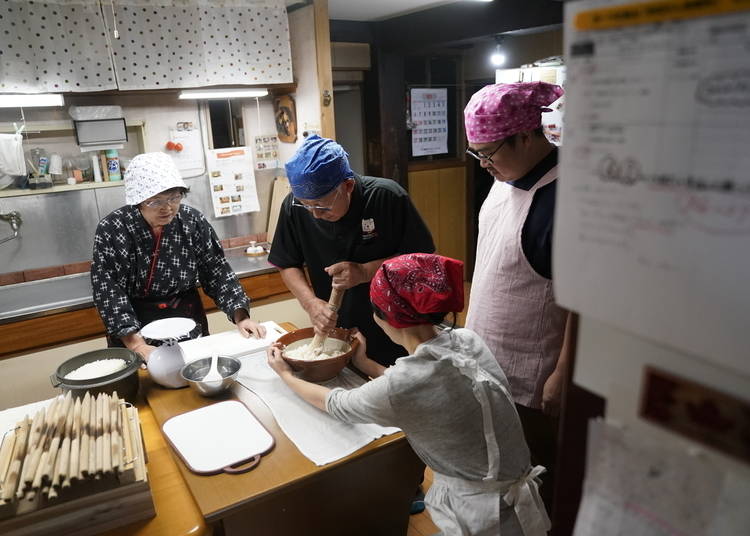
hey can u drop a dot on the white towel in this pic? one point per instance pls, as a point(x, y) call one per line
point(11, 155)
point(320, 437)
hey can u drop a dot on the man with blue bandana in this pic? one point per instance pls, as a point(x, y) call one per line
point(342, 227)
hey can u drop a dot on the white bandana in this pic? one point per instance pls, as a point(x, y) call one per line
point(149, 174)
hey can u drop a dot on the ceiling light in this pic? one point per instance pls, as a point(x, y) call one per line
point(222, 93)
point(29, 101)
point(497, 58)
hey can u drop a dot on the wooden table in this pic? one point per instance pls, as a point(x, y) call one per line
point(368, 492)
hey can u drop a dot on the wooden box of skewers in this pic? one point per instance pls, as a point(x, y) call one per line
point(76, 466)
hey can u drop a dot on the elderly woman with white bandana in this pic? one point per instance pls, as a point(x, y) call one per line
point(150, 255)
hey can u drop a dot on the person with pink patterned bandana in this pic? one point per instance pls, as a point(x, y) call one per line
point(512, 305)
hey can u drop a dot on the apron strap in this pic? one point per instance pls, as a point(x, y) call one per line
point(523, 496)
point(480, 380)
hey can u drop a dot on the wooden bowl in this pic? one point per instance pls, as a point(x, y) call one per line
point(322, 369)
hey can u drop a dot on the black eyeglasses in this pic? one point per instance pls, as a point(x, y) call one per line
point(479, 155)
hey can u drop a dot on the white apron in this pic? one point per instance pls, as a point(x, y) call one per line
point(512, 308)
point(461, 507)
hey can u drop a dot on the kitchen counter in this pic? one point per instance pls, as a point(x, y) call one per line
point(68, 293)
point(60, 310)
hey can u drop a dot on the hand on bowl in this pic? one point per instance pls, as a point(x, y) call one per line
point(276, 360)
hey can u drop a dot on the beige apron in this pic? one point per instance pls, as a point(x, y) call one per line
point(482, 508)
point(512, 308)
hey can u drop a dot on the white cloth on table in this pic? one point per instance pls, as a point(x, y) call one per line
point(11, 416)
point(317, 435)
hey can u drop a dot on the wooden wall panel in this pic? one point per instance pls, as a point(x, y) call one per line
point(440, 197)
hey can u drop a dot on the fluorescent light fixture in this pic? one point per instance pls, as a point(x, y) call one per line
point(222, 93)
point(29, 101)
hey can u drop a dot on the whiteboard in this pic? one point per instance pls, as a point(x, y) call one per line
point(652, 229)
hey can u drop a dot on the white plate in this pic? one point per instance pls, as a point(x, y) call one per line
point(168, 328)
point(216, 437)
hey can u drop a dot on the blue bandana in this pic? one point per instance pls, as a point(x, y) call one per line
point(317, 168)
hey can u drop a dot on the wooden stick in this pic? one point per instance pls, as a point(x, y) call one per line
point(13, 478)
point(61, 468)
point(6, 454)
point(107, 433)
point(115, 432)
point(92, 437)
point(75, 446)
point(54, 448)
point(35, 431)
point(83, 454)
point(43, 443)
point(127, 437)
point(100, 433)
point(34, 449)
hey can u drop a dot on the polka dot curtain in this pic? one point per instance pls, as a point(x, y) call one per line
point(53, 46)
point(196, 43)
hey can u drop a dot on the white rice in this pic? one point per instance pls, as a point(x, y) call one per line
point(305, 353)
point(96, 369)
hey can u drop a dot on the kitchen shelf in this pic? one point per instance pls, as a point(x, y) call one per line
point(46, 133)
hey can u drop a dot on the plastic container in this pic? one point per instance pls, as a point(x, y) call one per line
point(56, 169)
point(96, 168)
point(113, 165)
point(39, 160)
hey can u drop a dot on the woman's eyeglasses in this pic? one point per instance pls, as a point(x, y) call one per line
point(322, 208)
point(479, 155)
point(172, 200)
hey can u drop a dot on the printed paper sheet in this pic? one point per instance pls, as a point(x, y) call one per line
point(429, 114)
point(637, 487)
point(232, 180)
point(653, 220)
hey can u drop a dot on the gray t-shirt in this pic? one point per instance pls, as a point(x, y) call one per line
point(433, 403)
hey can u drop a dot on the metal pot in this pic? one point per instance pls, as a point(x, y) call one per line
point(124, 381)
point(195, 371)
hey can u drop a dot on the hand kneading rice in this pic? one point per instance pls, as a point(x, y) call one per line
point(306, 353)
point(96, 369)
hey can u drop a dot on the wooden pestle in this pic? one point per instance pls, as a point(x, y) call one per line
point(334, 302)
point(13, 477)
point(75, 445)
point(83, 453)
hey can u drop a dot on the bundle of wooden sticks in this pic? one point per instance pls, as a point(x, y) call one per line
point(69, 442)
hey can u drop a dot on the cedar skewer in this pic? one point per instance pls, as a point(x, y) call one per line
point(13, 479)
point(126, 435)
point(100, 433)
point(54, 448)
point(36, 441)
point(41, 453)
point(35, 430)
point(83, 453)
point(6, 454)
point(115, 426)
point(74, 445)
point(49, 451)
point(63, 458)
point(107, 431)
point(92, 437)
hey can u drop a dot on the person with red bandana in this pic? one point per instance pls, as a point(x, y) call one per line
point(449, 396)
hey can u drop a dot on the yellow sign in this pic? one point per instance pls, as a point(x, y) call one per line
point(651, 12)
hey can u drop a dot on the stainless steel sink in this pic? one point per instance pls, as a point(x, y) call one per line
point(45, 296)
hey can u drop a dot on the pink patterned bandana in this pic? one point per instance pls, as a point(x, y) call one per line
point(501, 110)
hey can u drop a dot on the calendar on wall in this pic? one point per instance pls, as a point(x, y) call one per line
point(429, 118)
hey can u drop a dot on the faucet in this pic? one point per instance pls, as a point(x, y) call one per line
point(14, 219)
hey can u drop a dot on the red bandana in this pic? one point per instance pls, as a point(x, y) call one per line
point(410, 286)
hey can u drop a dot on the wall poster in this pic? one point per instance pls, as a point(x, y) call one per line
point(232, 181)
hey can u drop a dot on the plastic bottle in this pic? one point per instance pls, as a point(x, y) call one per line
point(39, 160)
point(113, 165)
point(95, 166)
